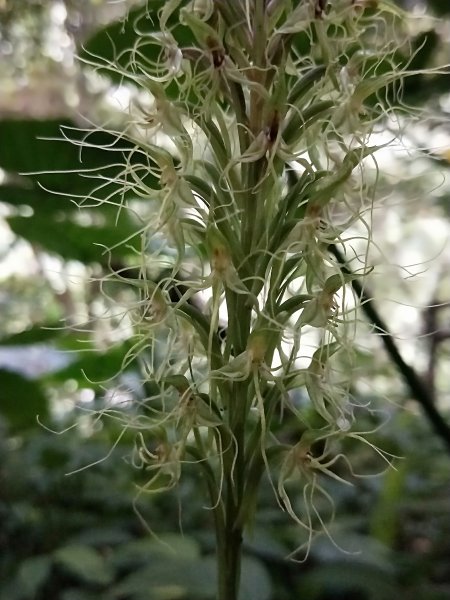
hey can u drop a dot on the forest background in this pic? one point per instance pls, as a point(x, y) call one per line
point(68, 532)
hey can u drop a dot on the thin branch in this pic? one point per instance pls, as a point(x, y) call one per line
point(412, 380)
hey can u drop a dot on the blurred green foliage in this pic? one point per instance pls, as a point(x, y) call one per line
point(68, 531)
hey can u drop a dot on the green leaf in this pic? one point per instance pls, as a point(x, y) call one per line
point(116, 43)
point(32, 574)
point(85, 563)
point(167, 578)
point(23, 148)
point(9, 590)
point(300, 121)
point(255, 581)
point(294, 304)
point(26, 192)
point(93, 366)
point(54, 154)
point(344, 578)
point(34, 335)
point(21, 400)
point(102, 536)
point(78, 594)
point(60, 175)
point(305, 84)
point(85, 244)
point(166, 547)
point(54, 146)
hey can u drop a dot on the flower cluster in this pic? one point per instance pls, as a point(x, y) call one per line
point(254, 133)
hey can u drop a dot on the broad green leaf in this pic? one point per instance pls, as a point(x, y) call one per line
point(53, 146)
point(21, 400)
point(59, 176)
point(85, 563)
point(361, 550)
point(255, 581)
point(26, 192)
point(103, 535)
point(93, 366)
point(116, 44)
point(32, 574)
point(24, 148)
point(166, 547)
point(36, 334)
point(60, 163)
point(79, 594)
point(169, 579)
point(9, 590)
point(73, 241)
point(341, 579)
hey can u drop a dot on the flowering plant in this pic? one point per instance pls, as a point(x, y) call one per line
point(253, 140)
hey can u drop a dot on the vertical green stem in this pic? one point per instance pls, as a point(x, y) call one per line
point(229, 557)
point(233, 548)
point(238, 304)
